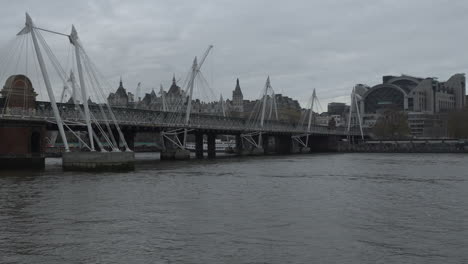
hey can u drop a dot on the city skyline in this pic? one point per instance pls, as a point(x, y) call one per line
point(339, 45)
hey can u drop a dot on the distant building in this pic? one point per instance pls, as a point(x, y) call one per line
point(237, 103)
point(336, 108)
point(288, 108)
point(425, 100)
point(176, 99)
point(22, 143)
point(120, 97)
point(18, 92)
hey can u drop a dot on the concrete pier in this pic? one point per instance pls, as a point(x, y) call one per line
point(266, 144)
point(283, 144)
point(199, 145)
point(305, 150)
point(167, 155)
point(253, 152)
point(182, 154)
point(97, 161)
point(239, 145)
point(175, 154)
point(15, 162)
point(211, 140)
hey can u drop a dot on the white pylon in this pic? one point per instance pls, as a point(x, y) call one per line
point(311, 110)
point(195, 70)
point(354, 103)
point(84, 95)
point(264, 99)
point(221, 102)
point(29, 28)
point(190, 90)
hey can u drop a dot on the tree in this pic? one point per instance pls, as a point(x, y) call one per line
point(457, 124)
point(392, 124)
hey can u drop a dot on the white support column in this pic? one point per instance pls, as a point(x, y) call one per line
point(311, 111)
point(30, 27)
point(350, 110)
point(72, 80)
point(359, 115)
point(84, 95)
point(271, 105)
point(221, 101)
point(264, 101)
point(195, 69)
point(191, 84)
point(275, 107)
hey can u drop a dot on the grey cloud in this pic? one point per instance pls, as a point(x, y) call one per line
point(327, 45)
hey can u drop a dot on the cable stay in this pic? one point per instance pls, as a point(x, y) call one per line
point(308, 122)
point(192, 98)
point(88, 90)
point(264, 111)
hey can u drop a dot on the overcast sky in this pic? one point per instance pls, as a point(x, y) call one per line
point(328, 45)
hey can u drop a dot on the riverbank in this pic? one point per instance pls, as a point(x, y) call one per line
point(405, 146)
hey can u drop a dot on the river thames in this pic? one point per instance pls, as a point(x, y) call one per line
point(321, 208)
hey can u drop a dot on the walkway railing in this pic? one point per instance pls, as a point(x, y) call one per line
point(150, 118)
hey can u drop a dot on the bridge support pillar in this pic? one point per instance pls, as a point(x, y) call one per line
point(173, 152)
point(295, 148)
point(96, 161)
point(116, 135)
point(130, 139)
point(211, 138)
point(283, 144)
point(239, 145)
point(254, 150)
point(199, 145)
point(265, 143)
point(167, 154)
point(323, 143)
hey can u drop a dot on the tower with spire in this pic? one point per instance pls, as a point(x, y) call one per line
point(120, 97)
point(237, 99)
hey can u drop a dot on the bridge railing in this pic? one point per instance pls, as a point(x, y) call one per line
point(137, 117)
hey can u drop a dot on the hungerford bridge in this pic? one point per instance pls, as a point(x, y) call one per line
point(109, 131)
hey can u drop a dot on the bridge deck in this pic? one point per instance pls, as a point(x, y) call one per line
point(149, 119)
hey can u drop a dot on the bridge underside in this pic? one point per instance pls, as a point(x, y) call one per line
point(272, 142)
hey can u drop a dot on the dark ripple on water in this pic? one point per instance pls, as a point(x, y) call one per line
point(333, 208)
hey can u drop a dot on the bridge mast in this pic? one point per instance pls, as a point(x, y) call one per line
point(358, 112)
point(72, 80)
point(195, 70)
point(354, 103)
point(311, 110)
point(221, 102)
point(191, 84)
point(74, 41)
point(267, 85)
point(29, 28)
